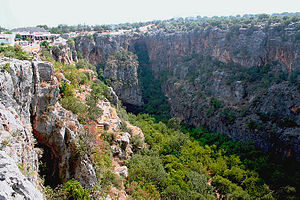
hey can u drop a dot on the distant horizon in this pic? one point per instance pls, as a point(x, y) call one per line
point(19, 13)
point(151, 20)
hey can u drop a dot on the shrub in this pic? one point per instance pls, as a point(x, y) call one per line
point(108, 136)
point(136, 142)
point(15, 52)
point(7, 67)
point(45, 44)
point(75, 190)
point(216, 103)
point(142, 191)
point(49, 96)
point(67, 89)
point(73, 104)
point(124, 127)
point(83, 64)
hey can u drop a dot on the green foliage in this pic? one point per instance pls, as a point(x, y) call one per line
point(73, 75)
point(75, 190)
point(43, 26)
point(45, 44)
point(14, 52)
point(174, 123)
point(85, 110)
point(108, 136)
point(147, 169)
point(18, 36)
point(124, 128)
point(216, 103)
point(274, 170)
point(70, 190)
point(7, 67)
point(94, 112)
point(238, 170)
point(83, 64)
point(99, 90)
point(71, 42)
point(142, 191)
point(73, 104)
point(67, 89)
point(136, 142)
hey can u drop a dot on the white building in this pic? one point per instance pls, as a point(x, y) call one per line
point(7, 39)
point(34, 33)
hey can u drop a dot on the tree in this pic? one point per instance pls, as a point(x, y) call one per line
point(45, 44)
point(18, 37)
point(2, 29)
point(43, 26)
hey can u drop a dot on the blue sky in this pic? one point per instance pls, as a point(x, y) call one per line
point(18, 13)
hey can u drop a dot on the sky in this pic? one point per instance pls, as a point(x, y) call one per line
point(21, 13)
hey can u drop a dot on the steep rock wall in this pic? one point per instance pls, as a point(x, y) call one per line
point(121, 70)
point(226, 81)
point(18, 152)
point(30, 114)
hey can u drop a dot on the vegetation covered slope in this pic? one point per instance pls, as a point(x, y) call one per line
point(198, 164)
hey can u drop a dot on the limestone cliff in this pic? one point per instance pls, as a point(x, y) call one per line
point(241, 83)
point(35, 129)
point(18, 152)
point(120, 71)
point(32, 117)
point(65, 53)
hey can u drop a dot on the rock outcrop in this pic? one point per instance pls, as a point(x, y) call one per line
point(122, 144)
point(30, 117)
point(65, 53)
point(17, 140)
point(120, 71)
point(57, 128)
point(14, 185)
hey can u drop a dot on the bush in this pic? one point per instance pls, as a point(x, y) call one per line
point(73, 104)
point(14, 52)
point(75, 190)
point(142, 191)
point(6, 67)
point(136, 142)
point(147, 169)
point(216, 103)
point(108, 136)
point(83, 64)
point(67, 90)
point(45, 44)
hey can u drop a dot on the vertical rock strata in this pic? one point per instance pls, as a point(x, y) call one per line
point(30, 114)
point(239, 84)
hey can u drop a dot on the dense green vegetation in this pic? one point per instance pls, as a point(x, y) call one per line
point(70, 190)
point(178, 167)
point(247, 23)
point(14, 52)
point(86, 110)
